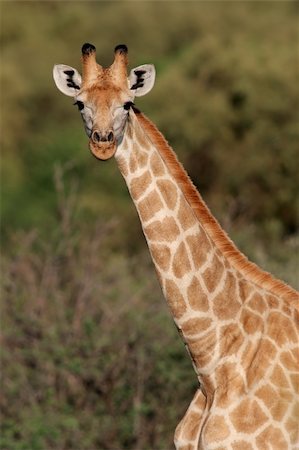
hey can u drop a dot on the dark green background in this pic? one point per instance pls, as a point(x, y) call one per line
point(91, 359)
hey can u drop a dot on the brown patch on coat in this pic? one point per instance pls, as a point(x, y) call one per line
point(244, 289)
point(199, 247)
point(275, 404)
point(258, 303)
point(290, 360)
point(231, 339)
point(251, 322)
point(248, 417)
point(122, 164)
point(203, 347)
point(213, 274)
point(241, 445)
point(133, 163)
point(181, 264)
point(142, 159)
point(149, 206)
point(175, 299)
point(295, 382)
point(271, 437)
point(157, 166)
point(272, 301)
point(141, 138)
point(165, 230)
point(229, 382)
point(278, 377)
point(225, 304)
point(129, 131)
point(191, 428)
point(187, 447)
point(169, 192)
point(186, 215)
point(215, 430)
point(200, 400)
point(139, 185)
point(198, 300)
point(196, 325)
point(139, 158)
point(161, 255)
point(281, 329)
point(260, 361)
point(292, 425)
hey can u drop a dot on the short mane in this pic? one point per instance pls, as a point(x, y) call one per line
point(250, 270)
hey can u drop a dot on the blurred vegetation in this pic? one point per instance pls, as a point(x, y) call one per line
point(91, 359)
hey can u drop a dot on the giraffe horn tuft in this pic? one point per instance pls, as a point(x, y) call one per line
point(121, 48)
point(91, 69)
point(87, 49)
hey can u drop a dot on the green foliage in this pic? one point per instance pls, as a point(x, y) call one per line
point(91, 359)
point(85, 367)
point(236, 103)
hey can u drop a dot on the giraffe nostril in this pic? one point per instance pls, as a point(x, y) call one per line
point(96, 137)
point(110, 136)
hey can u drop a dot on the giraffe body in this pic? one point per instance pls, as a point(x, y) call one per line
point(239, 324)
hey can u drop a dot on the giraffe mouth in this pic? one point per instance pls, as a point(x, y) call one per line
point(103, 150)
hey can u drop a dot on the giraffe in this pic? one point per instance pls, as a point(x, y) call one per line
point(238, 323)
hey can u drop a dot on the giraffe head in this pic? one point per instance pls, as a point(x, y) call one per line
point(104, 96)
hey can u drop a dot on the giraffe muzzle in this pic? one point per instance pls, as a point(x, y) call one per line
point(102, 145)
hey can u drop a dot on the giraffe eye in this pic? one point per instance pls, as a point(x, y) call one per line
point(128, 105)
point(79, 104)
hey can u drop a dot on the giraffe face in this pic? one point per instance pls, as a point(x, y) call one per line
point(104, 108)
point(104, 96)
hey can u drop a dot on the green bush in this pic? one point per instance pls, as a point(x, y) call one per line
point(91, 359)
point(86, 372)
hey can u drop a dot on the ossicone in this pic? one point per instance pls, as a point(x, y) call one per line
point(87, 49)
point(121, 48)
point(118, 69)
point(90, 69)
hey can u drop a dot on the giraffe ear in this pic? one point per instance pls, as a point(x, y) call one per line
point(142, 79)
point(67, 79)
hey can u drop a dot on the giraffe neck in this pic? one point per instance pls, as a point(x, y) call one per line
point(202, 285)
point(182, 251)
